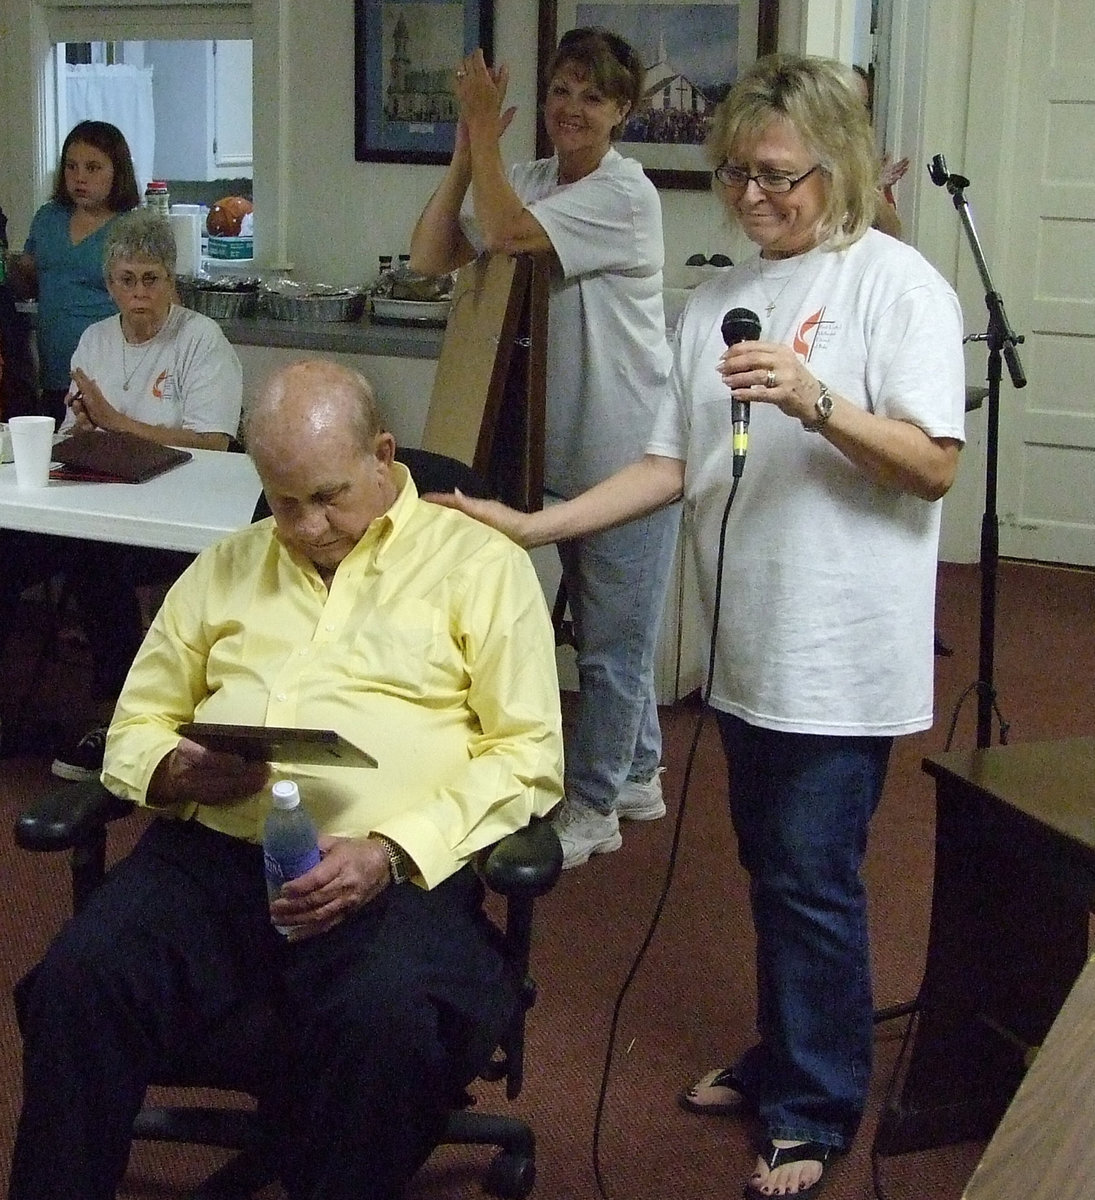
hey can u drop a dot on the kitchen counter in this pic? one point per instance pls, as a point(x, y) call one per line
point(377, 340)
point(342, 337)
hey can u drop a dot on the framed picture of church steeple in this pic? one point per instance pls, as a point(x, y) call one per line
point(405, 52)
point(692, 53)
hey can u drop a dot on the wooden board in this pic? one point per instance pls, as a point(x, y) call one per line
point(486, 408)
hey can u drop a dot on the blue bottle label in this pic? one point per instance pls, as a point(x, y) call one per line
point(280, 870)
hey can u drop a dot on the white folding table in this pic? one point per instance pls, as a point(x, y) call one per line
point(186, 508)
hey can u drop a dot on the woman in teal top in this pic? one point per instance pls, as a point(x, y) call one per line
point(62, 264)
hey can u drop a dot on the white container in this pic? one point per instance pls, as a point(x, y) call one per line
point(32, 449)
point(186, 226)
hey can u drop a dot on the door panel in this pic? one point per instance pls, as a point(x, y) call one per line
point(1047, 430)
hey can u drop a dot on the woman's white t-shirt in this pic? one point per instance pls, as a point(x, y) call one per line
point(827, 610)
point(186, 377)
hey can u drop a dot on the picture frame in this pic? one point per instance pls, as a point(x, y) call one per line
point(684, 43)
point(405, 52)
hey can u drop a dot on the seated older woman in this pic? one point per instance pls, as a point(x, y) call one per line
point(156, 370)
point(161, 372)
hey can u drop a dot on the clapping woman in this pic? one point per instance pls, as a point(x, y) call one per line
point(62, 263)
point(595, 218)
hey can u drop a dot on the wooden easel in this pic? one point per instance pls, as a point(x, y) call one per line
point(487, 405)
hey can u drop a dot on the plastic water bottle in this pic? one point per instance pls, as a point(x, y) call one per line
point(288, 840)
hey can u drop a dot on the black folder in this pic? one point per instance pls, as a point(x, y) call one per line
point(103, 456)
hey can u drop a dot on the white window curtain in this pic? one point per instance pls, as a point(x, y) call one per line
point(122, 95)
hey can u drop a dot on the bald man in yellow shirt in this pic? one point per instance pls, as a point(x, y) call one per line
point(422, 636)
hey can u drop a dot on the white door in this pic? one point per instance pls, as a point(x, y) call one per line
point(1033, 99)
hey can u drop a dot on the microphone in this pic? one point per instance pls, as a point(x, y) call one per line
point(740, 325)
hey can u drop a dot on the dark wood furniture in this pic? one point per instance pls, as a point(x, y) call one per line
point(1014, 884)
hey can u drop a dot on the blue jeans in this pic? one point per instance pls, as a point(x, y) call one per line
point(616, 583)
point(801, 805)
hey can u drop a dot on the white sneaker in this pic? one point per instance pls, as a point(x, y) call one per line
point(584, 831)
point(641, 801)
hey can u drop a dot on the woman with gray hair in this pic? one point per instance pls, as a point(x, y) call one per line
point(822, 609)
point(160, 372)
point(157, 370)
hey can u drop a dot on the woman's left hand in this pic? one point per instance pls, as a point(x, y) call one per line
point(891, 452)
point(770, 373)
point(90, 407)
point(481, 92)
point(892, 171)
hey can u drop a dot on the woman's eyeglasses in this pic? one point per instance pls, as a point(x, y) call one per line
point(775, 183)
point(127, 281)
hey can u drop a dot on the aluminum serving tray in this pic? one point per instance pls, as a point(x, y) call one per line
point(432, 313)
point(221, 303)
point(339, 306)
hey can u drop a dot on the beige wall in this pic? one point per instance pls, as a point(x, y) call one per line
point(342, 214)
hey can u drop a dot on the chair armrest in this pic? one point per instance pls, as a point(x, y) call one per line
point(526, 863)
point(68, 817)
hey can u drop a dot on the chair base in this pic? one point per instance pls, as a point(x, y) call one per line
point(510, 1175)
point(512, 1172)
point(247, 1173)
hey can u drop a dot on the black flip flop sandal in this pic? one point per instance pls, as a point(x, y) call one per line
point(717, 1094)
point(780, 1156)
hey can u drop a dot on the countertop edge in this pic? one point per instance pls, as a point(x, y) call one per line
point(347, 337)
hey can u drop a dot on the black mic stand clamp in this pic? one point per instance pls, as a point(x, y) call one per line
point(1002, 342)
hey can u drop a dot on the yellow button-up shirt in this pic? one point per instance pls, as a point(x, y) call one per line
point(432, 650)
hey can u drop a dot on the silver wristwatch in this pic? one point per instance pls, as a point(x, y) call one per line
point(823, 407)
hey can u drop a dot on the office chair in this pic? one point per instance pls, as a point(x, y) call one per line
point(520, 867)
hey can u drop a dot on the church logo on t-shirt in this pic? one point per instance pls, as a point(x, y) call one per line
point(160, 385)
point(813, 334)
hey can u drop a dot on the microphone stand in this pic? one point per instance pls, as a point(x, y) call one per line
point(1002, 342)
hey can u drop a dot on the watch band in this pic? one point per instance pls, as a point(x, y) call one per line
point(398, 862)
point(823, 407)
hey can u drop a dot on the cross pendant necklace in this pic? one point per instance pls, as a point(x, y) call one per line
point(770, 306)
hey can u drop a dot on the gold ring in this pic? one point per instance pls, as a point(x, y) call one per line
point(770, 379)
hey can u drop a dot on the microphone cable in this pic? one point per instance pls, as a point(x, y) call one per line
point(671, 865)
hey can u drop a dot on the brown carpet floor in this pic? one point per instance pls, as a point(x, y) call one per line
point(690, 1005)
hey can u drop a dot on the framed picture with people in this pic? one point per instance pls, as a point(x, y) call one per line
point(404, 55)
point(692, 53)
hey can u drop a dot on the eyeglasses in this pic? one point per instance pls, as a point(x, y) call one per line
point(127, 281)
point(775, 183)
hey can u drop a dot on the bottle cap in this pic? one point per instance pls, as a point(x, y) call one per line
point(286, 793)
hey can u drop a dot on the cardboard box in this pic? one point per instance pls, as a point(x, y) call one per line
point(231, 247)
